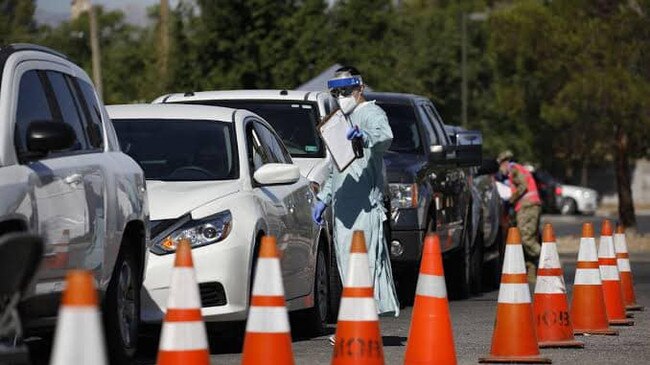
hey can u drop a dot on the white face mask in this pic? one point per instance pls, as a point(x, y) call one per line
point(347, 103)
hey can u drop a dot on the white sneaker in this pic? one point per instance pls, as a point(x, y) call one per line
point(332, 340)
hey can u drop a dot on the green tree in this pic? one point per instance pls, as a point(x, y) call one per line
point(17, 20)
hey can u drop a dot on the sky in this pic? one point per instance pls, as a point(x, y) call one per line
point(55, 11)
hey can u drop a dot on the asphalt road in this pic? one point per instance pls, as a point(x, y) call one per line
point(571, 225)
point(473, 320)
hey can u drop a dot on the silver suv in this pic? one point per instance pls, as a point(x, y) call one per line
point(63, 177)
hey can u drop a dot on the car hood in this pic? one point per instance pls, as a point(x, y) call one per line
point(403, 167)
point(172, 199)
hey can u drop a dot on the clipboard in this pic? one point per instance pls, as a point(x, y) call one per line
point(333, 131)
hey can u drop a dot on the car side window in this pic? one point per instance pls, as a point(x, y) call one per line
point(426, 122)
point(276, 149)
point(93, 113)
point(32, 106)
point(437, 122)
point(69, 108)
point(257, 155)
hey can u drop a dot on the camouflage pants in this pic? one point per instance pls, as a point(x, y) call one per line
point(528, 224)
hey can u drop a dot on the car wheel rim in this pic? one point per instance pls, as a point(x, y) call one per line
point(321, 288)
point(126, 304)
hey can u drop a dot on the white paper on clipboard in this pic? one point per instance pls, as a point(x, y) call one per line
point(333, 131)
point(504, 190)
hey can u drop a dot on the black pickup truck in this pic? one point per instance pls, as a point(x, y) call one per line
point(430, 189)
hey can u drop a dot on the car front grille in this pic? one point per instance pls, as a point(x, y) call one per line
point(212, 294)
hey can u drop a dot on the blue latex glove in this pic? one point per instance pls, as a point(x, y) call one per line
point(354, 132)
point(317, 212)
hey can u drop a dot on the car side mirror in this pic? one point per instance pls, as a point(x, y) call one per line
point(45, 136)
point(469, 148)
point(277, 174)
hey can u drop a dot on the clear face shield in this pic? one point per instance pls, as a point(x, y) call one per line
point(342, 89)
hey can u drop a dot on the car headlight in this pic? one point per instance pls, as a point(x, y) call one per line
point(586, 194)
point(403, 195)
point(199, 232)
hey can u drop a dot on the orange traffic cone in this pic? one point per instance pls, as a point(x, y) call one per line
point(268, 336)
point(623, 263)
point(514, 337)
point(588, 311)
point(358, 339)
point(431, 340)
point(183, 339)
point(611, 281)
point(554, 328)
point(79, 338)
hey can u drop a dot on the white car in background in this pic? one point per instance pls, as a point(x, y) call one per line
point(222, 178)
point(577, 199)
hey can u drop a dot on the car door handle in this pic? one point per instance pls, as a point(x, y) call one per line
point(73, 179)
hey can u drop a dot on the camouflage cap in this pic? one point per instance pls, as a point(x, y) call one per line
point(506, 155)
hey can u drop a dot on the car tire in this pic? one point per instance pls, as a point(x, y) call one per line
point(457, 271)
point(492, 269)
point(122, 308)
point(568, 206)
point(335, 287)
point(476, 265)
point(316, 316)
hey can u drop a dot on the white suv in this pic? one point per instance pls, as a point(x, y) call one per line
point(63, 177)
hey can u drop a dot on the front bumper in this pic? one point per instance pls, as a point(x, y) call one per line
point(222, 271)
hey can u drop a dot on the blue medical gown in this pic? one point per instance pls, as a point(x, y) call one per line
point(356, 197)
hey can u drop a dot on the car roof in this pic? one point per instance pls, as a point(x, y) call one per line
point(170, 111)
point(394, 97)
point(291, 95)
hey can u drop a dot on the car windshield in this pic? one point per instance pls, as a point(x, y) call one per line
point(295, 123)
point(180, 150)
point(403, 122)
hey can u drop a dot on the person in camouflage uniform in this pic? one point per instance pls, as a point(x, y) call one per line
point(528, 208)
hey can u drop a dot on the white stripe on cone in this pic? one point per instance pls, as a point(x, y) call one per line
point(620, 243)
point(587, 250)
point(514, 260)
point(548, 257)
point(431, 286)
point(268, 320)
point(606, 248)
point(623, 265)
point(514, 293)
point(550, 285)
point(587, 277)
point(268, 281)
point(609, 273)
point(183, 336)
point(79, 338)
point(358, 309)
point(359, 272)
point(185, 290)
